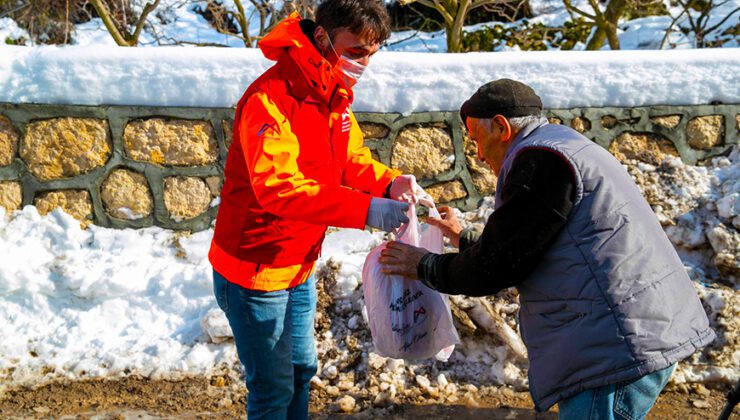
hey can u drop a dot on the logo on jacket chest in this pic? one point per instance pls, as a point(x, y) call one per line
point(265, 127)
point(346, 121)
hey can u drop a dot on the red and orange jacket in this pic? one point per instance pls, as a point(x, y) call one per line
point(296, 165)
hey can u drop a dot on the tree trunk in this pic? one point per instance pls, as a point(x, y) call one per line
point(597, 40)
point(107, 19)
point(607, 29)
point(454, 29)
point(454, 41)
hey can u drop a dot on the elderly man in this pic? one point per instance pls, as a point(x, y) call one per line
point(297, 165)
point(607, 308)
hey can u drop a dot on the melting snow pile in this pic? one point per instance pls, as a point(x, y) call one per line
point(103, 303)
point(699, 207)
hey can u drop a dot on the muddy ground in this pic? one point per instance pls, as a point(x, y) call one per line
point(200, 398)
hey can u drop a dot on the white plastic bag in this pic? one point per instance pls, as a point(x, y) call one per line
point(407, 319)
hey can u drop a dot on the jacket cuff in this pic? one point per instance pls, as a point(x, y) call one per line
point(426, 270)
point(387, 192)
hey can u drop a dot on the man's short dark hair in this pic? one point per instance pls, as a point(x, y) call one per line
point(367, 18)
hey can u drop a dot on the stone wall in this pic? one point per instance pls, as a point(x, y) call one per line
point(142, 166)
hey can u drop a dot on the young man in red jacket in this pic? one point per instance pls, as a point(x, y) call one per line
point(297, 165)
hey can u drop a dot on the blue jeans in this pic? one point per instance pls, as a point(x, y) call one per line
point(274, 336)
point(630, 400)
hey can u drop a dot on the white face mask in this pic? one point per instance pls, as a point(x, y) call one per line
point(351, 69)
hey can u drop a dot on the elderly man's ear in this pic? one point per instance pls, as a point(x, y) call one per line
point(504, 126)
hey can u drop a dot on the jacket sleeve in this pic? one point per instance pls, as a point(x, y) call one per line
point(362, 171)
point(271, 150)
point(537, 200)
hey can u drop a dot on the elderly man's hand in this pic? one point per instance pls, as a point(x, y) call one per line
point(402, 259)
point(448, 224)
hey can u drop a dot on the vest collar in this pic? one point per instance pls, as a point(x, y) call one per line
point(524, 133)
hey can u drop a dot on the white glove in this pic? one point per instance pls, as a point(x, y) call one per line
point(404, 188)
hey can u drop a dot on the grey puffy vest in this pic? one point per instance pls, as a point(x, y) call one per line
point(611, 300)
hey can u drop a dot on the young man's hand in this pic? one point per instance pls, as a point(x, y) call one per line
point(404, 188)
point(402, 259)
point(385, 214)
point(448, 224)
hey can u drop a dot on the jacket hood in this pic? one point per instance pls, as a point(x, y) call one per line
point(287, 41)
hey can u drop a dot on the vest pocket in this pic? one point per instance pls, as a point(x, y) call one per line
point(548, 325)
point(554, 312)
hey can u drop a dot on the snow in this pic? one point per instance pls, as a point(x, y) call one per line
point(101, 302)
point(10, 30)
point(410, 82)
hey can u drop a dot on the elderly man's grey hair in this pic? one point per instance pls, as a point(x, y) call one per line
point(517, 123)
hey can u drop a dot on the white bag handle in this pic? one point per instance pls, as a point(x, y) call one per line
point(410, 233)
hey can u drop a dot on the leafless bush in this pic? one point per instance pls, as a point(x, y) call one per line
point(606, 21)
point(453, 14)
point(698, 21)
point(46, 21)
point(235, 21)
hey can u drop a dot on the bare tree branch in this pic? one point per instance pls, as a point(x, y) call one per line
point(123, 37)
point(15, 9)
point(107, 19)
point(713, 28)
point(569, 6)
point(142, 20)
point(670, 28)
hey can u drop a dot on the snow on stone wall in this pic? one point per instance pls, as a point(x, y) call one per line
point(395, 82)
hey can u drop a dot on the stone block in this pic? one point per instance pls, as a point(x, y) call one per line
point(705, 132)
point(483, 176)
point(647, 147)
point(65, 147)
point(11, 196)
point(580, 124)
point(423, 151)
point(214, 185)
point(449, 191)
point(374, 130)
point(126, 195)
point(228, 129)
point(171, 142)
point(76, 203)
point(667, 121)
point(186, 197)
point(609, 121)
point(8, 141)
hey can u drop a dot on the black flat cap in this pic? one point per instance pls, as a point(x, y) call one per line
point(503, 96)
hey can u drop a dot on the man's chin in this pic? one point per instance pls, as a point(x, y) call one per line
point(349, 82)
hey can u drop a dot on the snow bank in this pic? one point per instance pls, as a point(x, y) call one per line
point(409, 82)
point(101, 302)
